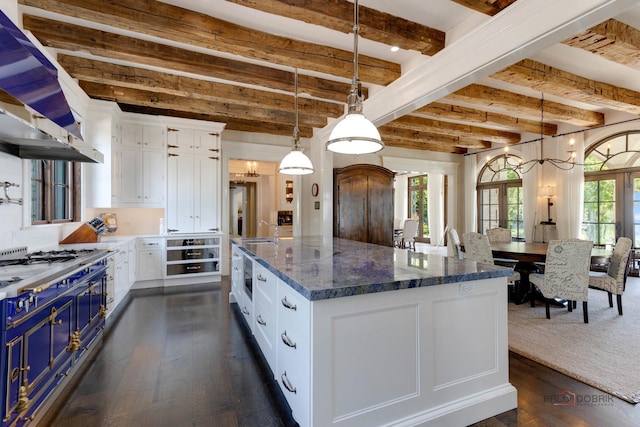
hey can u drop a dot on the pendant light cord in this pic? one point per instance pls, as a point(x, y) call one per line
point(356, 31)
point(296, 130)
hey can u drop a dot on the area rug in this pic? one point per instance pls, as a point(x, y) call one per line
point(605, 353)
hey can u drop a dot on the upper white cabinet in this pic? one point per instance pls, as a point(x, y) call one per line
point(194, 180)
point(139, 165)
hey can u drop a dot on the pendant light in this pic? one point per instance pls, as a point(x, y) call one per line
point(296, 162)
point(355, 134)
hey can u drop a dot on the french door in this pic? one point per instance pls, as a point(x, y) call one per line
point(500, 205)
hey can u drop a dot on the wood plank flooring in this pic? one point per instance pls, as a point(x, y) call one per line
point(183, 359)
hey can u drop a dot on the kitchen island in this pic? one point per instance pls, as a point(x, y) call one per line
point(358, 334)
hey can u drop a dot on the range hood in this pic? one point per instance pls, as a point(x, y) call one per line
point(28, 76)
point(22, 139)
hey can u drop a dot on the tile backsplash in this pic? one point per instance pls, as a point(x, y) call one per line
point(133, 221)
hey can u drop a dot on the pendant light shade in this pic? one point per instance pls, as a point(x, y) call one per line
point(296, 162)
point(355, 134)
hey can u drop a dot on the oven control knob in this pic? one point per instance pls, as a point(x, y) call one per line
point(20, 305)
point(33, 300)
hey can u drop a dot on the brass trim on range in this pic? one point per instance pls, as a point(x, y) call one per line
point(74, 341)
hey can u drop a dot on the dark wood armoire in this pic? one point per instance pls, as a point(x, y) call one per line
point(363, 203)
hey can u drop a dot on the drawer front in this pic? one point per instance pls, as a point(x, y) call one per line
point(265, 334)
point(292, 308)
point(148, 243)
point(294, 381)
point(265, 287)
point(193, 268)
point(192, 253)
point(206, 241)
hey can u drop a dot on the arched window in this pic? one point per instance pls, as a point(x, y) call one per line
point(612, 189)
point(500, 195)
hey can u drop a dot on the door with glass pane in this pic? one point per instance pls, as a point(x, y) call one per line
point(418, 204)
point(500, 205)
point(599, 211)
point(634, 197)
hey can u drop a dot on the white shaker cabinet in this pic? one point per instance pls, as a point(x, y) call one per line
point(149, 262)
point(194, 181)
point(140, 165)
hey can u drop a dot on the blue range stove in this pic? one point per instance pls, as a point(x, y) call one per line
point(52, 313)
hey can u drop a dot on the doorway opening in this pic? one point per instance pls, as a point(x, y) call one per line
point(242, 208)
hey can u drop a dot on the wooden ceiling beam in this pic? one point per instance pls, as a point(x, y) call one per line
point(374, 25)
point(439, 110)
point(397, 133)
point(424, 146)
point(527, 106)
point(158, 19)
point(155, 99)
point(91, 70)
point(454, 129)
point(71, 37)
point(237, 124)
point(488, 7)
point(554, 81)
point(613, 40)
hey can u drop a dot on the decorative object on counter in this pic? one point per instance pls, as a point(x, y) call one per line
point(87, 232)
point(355, 134)
point(110, 221)
point(296, 162)
point(6, 198)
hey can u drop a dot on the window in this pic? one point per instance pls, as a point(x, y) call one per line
point(500, 196)
point(55, 191)
point(419, 202)
point(599, 213)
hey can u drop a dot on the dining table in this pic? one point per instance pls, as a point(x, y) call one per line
point(526, 255)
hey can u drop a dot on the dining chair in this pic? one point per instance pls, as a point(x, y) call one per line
point(613, 281)
point(499, 234)
point(566, 273)
point(478, 248)
point(453, 239)
point(407, 238)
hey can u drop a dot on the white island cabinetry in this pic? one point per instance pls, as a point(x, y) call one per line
point(355, 346)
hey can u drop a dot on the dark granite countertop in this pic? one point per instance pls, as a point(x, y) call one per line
point(325, 267)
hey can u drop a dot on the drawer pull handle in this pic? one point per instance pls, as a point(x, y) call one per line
point(261, 278)
point(194, 253)
point(245, 311)
point(287, 341)
point(288, 305)
point(261, 321)
point(287, 384)
point(194, 267)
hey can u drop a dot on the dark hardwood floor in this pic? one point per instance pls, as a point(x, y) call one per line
point(183, 359)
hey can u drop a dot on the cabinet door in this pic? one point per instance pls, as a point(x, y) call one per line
point(131, 135)
point(131, 183)
point(380, 209)
point(149, 264)
point(180, 140)
point(153, 170)
point(153, 137)
point(181, 191)
point(207, 203)
point(352, 205)
point(207, 143)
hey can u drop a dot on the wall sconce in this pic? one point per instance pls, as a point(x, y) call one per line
point(548, 191)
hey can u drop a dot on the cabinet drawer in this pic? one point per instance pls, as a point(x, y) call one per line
point(265, 287)
point(265, 334)
point(149, 243)
point(292, 308)
point(191, 241)
point(192, 253)
point(294, 381)
point(192, 268)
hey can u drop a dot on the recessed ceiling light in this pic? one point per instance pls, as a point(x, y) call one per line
point(394, 48)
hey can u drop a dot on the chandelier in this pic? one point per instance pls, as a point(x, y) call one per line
point(355, 134)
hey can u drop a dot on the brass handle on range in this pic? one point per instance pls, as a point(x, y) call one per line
point(286, 383)
point(261, 321)
point(288, 305)
point(287, 341)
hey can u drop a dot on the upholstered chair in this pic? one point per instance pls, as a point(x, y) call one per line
point(407, 238)
point(613, 280)
point(453, 239)
point(499, 234)
point(477, 248)
point(566, 273)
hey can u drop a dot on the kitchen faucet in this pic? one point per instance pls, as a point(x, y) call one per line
point(275, 229)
